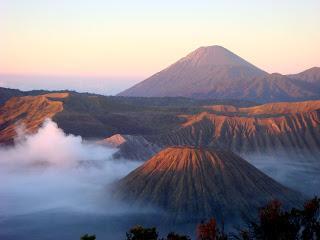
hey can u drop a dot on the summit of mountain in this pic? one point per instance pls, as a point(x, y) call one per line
point(196, 74)
point(214, 72)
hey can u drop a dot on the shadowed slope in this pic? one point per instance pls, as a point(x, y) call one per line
point(311, 75)
point(131, 147)
point(191, 184)
point(7, 93)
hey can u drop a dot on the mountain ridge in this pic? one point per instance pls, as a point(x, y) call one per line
point(215, 72)
point(28, 112)
point(288, 127)
point(311, 75)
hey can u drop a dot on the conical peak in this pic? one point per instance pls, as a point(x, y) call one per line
point(181, 151)
point(179, 158)
point(188, 181)
point(212, 48)
point(206, 72)
point(215, 56)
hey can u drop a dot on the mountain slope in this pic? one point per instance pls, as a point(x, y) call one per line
point(272, 108)
point(196, 73)
point(286, 127)
point(28, 113)
point(311, 75)
point(289, 128)
point(267, 88)
point(148, 125)
point(7, 93)
point(98, 117)
point(192, 184)
point(131, 147)
point(215, 72)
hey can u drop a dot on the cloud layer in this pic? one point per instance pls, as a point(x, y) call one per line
point(52, 170)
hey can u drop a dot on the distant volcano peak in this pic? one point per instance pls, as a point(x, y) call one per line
point(214, 72)
point(198, 74)
point(216, 56)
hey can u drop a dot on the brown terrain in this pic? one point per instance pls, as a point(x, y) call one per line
point(290, 128)
point(197, 178)
point(28, 113)
point(280, 125)
point(97, 117)
point(141, 131)
point(271, 108)
point(197, 183)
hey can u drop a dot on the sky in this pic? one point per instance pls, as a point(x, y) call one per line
point(107, 46)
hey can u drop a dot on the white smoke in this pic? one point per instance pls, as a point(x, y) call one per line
point(52, 170)
point(51, 145)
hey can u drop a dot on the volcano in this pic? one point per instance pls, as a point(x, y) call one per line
point(196, 74)
point(216, 73)
point(192, 184)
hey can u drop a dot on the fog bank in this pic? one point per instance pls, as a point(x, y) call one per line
point(51, 170)
point(299, 172)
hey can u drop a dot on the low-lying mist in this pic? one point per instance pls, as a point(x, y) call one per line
point(299, 172)
point(51, 170)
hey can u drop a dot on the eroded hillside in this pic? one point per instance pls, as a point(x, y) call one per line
point(196, 183)
point(26, 114)
point(273, 126)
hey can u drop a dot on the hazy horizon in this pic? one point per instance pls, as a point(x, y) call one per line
point(159, 119)
point(99, 85)
point(123, 42)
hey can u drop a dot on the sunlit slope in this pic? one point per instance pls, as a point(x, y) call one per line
point(191, 184)
point(26, 114)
